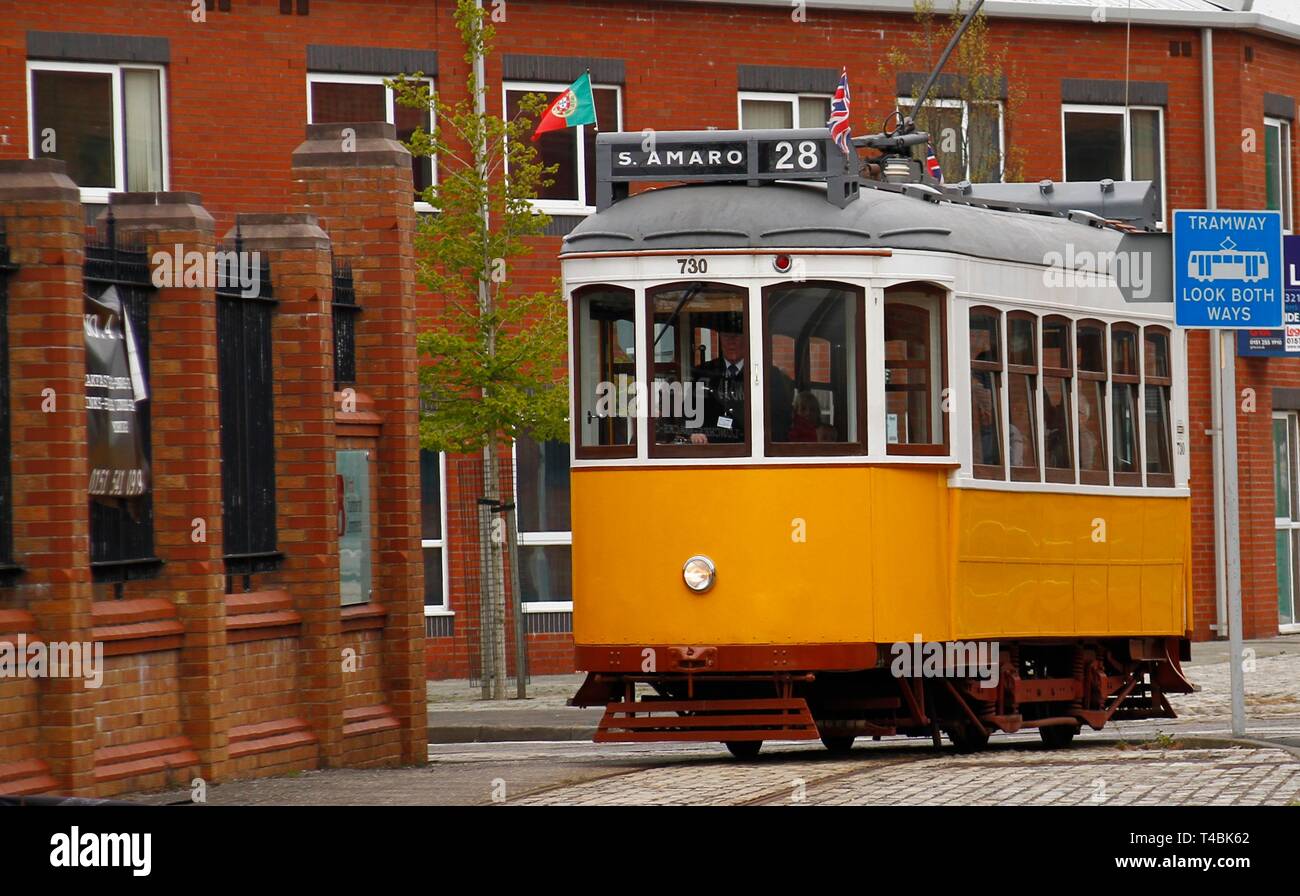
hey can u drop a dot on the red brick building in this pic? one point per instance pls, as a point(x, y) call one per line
point(146, 97)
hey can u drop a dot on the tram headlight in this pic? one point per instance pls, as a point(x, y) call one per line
point(699, 573)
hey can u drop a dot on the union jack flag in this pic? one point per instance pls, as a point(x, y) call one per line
point(839, 120)
point(932, 163)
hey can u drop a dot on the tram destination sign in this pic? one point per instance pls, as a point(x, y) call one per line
point(723, 156)
point(1228, 269)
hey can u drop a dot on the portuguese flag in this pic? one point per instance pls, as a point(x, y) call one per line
point(572, 108)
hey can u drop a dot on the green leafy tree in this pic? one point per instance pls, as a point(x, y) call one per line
point(980, 70)
point(493, 361)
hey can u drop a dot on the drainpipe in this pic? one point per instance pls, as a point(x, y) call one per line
point(1216, 364)
point(1223, 369)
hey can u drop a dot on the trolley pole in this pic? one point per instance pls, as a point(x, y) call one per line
point(1232, 522)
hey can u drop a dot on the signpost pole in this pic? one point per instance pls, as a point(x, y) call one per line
point(1228, 268)
point(1231, 520)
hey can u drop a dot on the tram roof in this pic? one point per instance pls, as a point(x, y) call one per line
point(797, 215)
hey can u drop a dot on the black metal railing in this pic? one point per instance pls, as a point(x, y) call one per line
point(245, 370)
point(121, 535)
point(8, 569)
point(346, 312)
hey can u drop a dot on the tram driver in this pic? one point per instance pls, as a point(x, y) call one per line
point(724, 390)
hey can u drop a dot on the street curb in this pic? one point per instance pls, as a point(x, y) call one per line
point(1227, 740)
point(480, 734)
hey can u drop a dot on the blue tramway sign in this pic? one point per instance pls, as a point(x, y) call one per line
point(1228, 269)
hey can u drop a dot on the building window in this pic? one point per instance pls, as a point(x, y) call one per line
point(783, 110)
point(1022, 404)
point(1094, 468)
point(1103, 142)
point(814, 369)
point(914, 374)
point(1286, 518)
point(107, 122)
point(1156, 384)
point(1124, 379)
point(573, 150)
point(967, 137)
point(545, 534)
point(356, 98)
point(986, 393)
point(1058, 400)
point(1277, 168)
point(433, 521)
point(605, 375)
point(699, 382)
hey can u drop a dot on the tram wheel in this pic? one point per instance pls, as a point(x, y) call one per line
point(966, 737)
point(841, 743)
point(1055, 737)
point(743, 749)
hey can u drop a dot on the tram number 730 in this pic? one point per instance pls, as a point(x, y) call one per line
point(693, 265)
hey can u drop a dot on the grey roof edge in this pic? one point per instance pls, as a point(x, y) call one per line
point(903, 222)
point(1008, 9)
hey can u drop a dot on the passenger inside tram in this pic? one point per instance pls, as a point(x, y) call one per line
point(807, 425)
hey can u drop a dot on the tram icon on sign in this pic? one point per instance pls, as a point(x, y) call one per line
point(1227, 263)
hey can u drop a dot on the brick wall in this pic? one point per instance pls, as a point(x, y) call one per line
point(208, 674)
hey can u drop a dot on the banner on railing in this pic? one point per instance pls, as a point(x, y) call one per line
point(115, 385)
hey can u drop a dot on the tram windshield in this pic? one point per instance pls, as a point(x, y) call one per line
point(813, 346)
point(699, 349)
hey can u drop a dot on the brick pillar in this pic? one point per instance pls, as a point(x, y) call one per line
point(303, 344)
point(365, 200)
point(185, 419)
point(41, 208)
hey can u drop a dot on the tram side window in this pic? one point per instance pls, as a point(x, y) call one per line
point(1058, 392)
point(914, 418)
point(814, 368)
point(986, 393)
point(1092, 370)
point(604, 324)
point(1157, 381)
point(1022, 386)
point(1124, 404)
point(699, 347)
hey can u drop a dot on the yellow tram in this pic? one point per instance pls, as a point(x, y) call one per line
point(862, 458)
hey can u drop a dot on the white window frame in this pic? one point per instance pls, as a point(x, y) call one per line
point(99, 195)
point(441, 543)
point(1124, 111)
point(539, 539)
point(964, 105)
point(390, 108)
point(1292, 523)
point(1286, 190)
point(584, 205)
point(774, 97)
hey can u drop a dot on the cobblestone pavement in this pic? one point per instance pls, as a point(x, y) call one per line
point(1009, 776)
point(1115, 767)
point(1272, 685)
point(1107, 768)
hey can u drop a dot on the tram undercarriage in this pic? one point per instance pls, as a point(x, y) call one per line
point(1053, 686)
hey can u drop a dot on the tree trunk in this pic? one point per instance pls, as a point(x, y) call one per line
point(496, 595)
